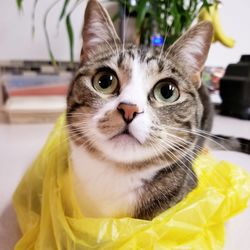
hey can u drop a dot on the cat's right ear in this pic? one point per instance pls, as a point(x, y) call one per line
point(97, 29)
point(191, 50)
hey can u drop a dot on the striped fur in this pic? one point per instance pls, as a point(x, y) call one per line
point(150, 170)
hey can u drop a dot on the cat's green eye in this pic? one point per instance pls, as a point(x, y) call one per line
point(166, 91)
point(105, 82)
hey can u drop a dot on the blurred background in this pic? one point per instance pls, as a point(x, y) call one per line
point(39, 52)
point(36, 34)
point(15, 29)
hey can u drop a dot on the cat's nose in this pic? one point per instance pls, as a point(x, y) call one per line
point(128, 111)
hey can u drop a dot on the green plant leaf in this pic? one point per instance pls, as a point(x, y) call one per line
point(19, 4)
point(34, 17)
point(206, 5)
point(52, 58)
point(65, 5)
point(176, 15)
point(141, 13)
point(70, 31)
point(70, 36)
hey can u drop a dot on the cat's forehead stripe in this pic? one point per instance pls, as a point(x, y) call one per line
point(150, 59)
point(123, 55)
point(159, 62)
point(143, 56)
point(131, 54)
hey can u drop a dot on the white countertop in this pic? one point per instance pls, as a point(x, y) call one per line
point(19, 145)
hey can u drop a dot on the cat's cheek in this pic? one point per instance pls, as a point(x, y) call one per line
point(98, 121)
point(108, 106)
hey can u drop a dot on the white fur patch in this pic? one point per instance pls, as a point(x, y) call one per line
point(104, 190)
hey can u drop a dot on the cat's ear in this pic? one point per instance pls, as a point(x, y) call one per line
point(97, 29)
point(191, 50)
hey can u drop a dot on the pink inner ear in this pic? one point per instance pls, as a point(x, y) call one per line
point(191, 49)
point(98, 29)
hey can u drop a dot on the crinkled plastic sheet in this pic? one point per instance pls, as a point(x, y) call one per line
point(49, 216)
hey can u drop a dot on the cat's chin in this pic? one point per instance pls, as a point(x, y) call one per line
point(124, 139)
point(125, 148)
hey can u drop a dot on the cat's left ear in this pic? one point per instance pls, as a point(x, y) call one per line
point(191, 50)
point(98, 29)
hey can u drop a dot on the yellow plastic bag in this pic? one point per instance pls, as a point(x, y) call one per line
point(50, 218)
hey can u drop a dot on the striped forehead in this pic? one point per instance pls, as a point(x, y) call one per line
point(139, 66)
point(137, 77)
point(143, 56)
point(144, 65)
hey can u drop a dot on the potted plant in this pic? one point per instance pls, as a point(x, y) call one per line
point(157, 22)
point(162, 21)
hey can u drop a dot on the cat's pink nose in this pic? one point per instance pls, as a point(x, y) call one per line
point(128, 111)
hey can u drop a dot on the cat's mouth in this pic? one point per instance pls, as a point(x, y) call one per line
point(125, 136)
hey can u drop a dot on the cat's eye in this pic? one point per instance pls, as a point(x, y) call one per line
point(105, 82)
point(166, 91)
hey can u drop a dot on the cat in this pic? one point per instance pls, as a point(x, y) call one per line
point(134, 116)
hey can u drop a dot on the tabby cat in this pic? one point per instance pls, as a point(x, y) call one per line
point(134, 117)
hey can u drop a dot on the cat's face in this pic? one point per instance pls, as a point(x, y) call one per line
point(130, 104)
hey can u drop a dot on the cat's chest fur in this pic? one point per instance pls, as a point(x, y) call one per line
point(103, 189)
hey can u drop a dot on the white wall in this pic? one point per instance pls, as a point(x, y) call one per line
point(235, 19)
point(16, 36)
point(17, 42)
